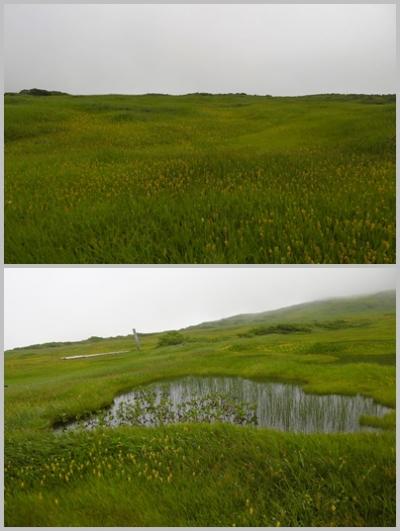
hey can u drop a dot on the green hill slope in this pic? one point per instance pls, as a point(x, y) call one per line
point(328, 311)
point(344, 307)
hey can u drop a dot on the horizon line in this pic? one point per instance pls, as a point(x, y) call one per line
point(279, 308)
point(55, 92)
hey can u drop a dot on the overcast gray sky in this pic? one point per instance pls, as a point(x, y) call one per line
point(259, 49)
point(75, 303)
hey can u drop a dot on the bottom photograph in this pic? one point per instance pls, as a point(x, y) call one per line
point(200, 396)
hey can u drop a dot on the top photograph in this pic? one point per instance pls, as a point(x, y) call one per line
point(200, 134)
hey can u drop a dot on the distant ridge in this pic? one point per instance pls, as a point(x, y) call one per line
point(365, 98)
point(37, 92)
point(320, 310)
point(383, 301)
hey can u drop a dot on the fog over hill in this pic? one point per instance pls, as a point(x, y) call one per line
point(327, 310)
point(340, 307)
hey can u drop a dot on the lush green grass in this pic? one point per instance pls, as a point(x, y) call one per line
point(208, 476)
point(199, 179)
point(204, 475)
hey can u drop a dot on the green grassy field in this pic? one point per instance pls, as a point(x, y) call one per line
point(205, 474)
point(199, 179)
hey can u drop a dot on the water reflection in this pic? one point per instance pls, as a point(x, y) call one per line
point(239, 401)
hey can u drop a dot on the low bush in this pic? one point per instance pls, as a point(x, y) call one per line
point(171, 338)
point(278, 329)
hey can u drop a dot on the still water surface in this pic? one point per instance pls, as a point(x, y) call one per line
point(239, 401)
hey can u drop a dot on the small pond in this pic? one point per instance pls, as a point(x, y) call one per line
point(238, 401)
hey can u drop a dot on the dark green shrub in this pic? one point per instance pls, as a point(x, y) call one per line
point(171, 338)
point(279, 329)
point(42, 92)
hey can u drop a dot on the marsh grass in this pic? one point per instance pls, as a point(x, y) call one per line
point(156, 406)
point(204, 474)
point(236, 401)
point(199, 179)
point(200, 476)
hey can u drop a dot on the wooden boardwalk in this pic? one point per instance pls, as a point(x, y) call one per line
point(94, 355)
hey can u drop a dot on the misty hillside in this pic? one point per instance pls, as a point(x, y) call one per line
point(377, 303)
point(318, 311)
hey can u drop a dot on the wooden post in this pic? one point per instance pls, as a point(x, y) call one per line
point(137, 341)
